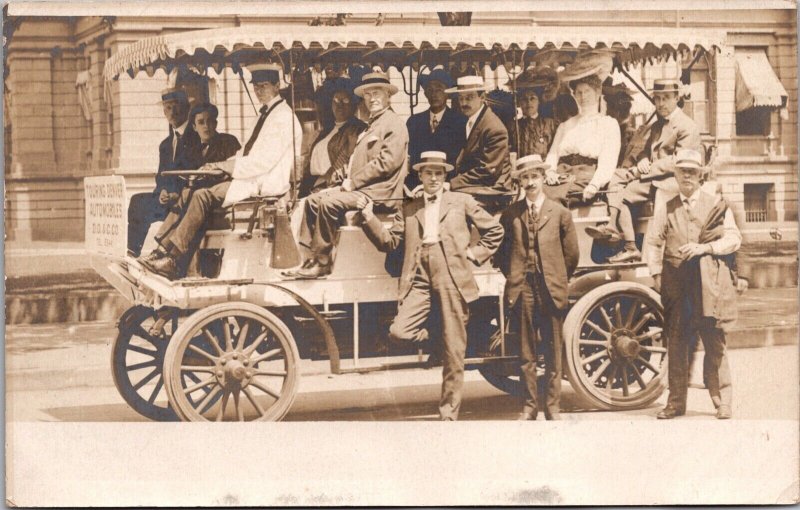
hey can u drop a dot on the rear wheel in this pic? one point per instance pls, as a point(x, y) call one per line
point(232, 362)
point(616, 357)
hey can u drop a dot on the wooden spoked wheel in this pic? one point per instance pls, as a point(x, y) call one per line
point(232, 362)
point(616, 357)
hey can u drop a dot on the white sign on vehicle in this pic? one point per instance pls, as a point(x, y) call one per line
point(106, 215)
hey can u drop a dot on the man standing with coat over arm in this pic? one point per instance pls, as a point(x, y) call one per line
point(437, 267)
point(538, 255)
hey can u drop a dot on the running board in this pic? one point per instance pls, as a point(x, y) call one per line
point(469, 364)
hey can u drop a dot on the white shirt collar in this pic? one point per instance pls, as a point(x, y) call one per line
point(673, 114)
point(471, 121)
point(538, 203)
point(438, 196)
point(437, 116)
point(692, 198)
point(182, 128)
point(272, 101)
point(377, 114)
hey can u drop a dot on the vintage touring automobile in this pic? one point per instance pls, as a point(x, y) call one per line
point(227, 344)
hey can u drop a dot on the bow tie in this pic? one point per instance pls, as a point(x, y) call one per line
point(431, 199)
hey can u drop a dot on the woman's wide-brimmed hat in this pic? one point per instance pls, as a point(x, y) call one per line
point(433, 158)
point(535, 78)
point(373, 80)
point(467, 84)
point(587, 64)
point(528, 164)
point(618, 89)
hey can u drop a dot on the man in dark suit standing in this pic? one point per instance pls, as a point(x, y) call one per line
point(439, 128)
point(178, 151)
point(437, 267)
point(538, 255)
point(691, 243)
point(482, 166)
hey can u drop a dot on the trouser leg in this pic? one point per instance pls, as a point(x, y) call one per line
point(413, 310)
point(144, 210)
point(550, 326)
point(203, 201)
point(331, 209)
point(716, 370)
point(679, 333)
point(309, 219)
point(454, 314)
point(523, 313)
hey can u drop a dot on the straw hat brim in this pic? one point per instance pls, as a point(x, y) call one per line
point(419, 166)
point(517, 174)
point(359, 91)
point(471, 88)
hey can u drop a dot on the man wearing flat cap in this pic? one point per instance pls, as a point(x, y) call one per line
point(178, 151)
point(439, 128)
point(538, 255)
point(263, 167)
point(673, 130)
point(376, 169)
point(483, 164)
point(691, 242)
point(437, 283)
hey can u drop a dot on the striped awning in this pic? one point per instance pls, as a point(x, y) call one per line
point(756, 82)
point(302, 46)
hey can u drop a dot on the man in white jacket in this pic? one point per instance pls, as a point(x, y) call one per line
point(263, 167)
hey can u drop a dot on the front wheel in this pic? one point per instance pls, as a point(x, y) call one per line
point(616, 357)
point(232, 362)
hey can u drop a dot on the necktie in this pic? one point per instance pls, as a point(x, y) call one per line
point(469, 127)
point(204, 148)
point(176, 136)
point(533, 219)
point(264, 113)
point(434, 124)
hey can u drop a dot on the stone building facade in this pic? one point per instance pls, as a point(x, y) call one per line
point(63, 122)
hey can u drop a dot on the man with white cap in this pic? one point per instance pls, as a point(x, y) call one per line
point(439, 128)
point(437, 267)
point(691, 242)
point(673, 130)
point(483, 163)
point(376, 169)
point(178, 151)
point(538, 255)
point(263, 167)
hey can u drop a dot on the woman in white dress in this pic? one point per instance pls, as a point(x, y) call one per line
point(585, 149)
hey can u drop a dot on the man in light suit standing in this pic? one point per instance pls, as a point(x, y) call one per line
point(376, 169)
point(538, 255)
point(263, 167)
point(439, 128)
point(437, 283)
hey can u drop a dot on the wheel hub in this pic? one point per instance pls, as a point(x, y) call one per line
point(233, 370)
point(624, 345)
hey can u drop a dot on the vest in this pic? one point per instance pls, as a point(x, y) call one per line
point(533, 263)
point(684, 227)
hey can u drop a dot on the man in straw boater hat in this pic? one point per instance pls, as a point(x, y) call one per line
point(673, 130)
point(439, 128)
point(538, 255)
point(262, 168)
point(376, 169)
point(437, 283)
point(483, 163)
point(691, 243)
point(178, 151)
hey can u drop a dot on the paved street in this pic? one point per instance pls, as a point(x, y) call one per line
point(62, 373)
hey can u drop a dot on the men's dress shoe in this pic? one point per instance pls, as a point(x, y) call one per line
point(315, 271)
point(526, 416)
point(669, 413)
point(716, 401)
point(153, 255)
point(308, 263)
point(447, 418)
point(724, 412)
point(625, 256)
point(604, 232)
point(552, 416)
point(165, 266)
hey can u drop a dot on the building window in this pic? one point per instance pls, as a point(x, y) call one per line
point(699, 105)
point(757, 203)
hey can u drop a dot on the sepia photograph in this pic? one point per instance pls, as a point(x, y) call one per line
point(333, 230)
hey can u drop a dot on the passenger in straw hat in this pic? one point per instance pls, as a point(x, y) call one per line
point(439, 128)
point(437, 267)
point(538, 255)
point(263, 167)
point(482, 165)
point(691, 244)
point(376, 169)
point(584, 153)
point(178, 151)
point(673, 130)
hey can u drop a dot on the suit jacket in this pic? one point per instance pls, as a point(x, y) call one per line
point(449, 137)
point(340, 148)
point(667, 136)
point(379, 163)
point(187, 157)
point(221, 147)
point(483, 162)
point(558, 249)
point(458, 211)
